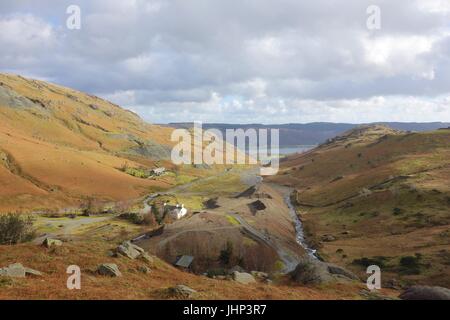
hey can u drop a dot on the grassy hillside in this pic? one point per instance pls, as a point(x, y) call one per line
point(378, 196)
point(59, 146)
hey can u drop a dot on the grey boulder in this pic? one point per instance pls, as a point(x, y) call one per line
point(109, 269)
point(426, 293)
point(243, 277)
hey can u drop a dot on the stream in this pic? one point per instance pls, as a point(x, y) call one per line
point(299, 233)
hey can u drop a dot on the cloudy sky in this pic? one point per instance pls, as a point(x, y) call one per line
point(241, 61)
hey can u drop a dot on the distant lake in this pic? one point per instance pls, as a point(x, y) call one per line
point(287, 150)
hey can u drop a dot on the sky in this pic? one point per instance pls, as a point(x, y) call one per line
point(241, 61)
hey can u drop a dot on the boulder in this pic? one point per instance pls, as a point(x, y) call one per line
point(181, 291)
point(130, 250)
point(426, 293)
point(243, 277)
point(17, 270)
point(311, 271)
point(337, 270)
point(109, 269)
point(49, 242)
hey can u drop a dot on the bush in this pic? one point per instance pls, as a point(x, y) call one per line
point(410, 264)
point(365, 262)
point(226, 254)
point(15, 228)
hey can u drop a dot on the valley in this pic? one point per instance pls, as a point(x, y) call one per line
point(96, 180)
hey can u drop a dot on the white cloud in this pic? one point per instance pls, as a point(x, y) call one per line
point(266, 62)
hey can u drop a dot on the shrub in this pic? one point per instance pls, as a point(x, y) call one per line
point(226, 254)
point(365, 262)
point(15, 228)
point(410, 264)
point(397, 211)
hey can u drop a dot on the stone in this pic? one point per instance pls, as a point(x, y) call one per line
point(49, 242)
point(236, 268)
point(182, 291)
point(337, 270)
point(310, 271)
point(17, 270)
point(29, 271)
point(130, 250)
point(426, 293)
point(109, 269)
point(243, 277)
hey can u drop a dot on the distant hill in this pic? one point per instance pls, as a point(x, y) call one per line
point(375, 195)
point(59, 146)
point(294, 134)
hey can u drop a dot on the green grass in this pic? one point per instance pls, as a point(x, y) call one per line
point(232, 220)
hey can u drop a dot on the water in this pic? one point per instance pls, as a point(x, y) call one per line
point(299, 233)
point(283, 151)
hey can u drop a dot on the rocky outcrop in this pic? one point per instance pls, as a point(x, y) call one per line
point(109, 269)
point(426, 293)
point(17, 270)
point(243, 277)
point(129, 250)
point(181, 291)
point(337, 270)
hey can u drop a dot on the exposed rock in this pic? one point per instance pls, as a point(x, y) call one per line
point(17, 270)
point(309, 271)
point(243, 277)
point(130, 250)
point(49, 242)
point(109, 269)
point(426, 293)
point(181, 291)
point(337, 270)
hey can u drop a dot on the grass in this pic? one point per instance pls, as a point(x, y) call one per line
point(232, 220)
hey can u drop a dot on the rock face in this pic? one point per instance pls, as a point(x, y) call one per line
point(243, 277)
point(181, 291)
point(426, 293)
point(48, 242)
point(17, 270)
point(109, 269)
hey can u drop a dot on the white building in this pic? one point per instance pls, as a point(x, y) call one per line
point(177, 211)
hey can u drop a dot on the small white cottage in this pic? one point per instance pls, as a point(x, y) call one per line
point(176, 212)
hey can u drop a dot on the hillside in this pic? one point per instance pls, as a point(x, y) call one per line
point(375, 195)
point(59, 146)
